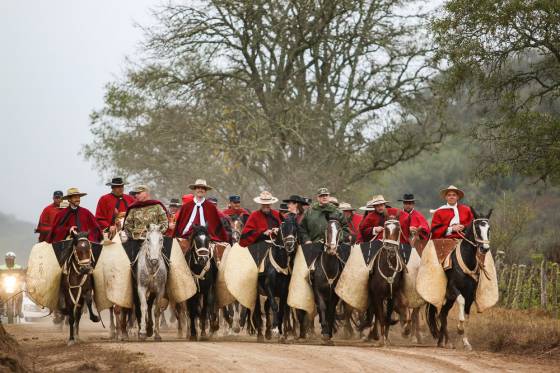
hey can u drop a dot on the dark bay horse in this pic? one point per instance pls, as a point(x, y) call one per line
point(324, 277)
point(385, 281)
point(76, 284)
point(275, 280)
point(461, 285)
point(205, 272)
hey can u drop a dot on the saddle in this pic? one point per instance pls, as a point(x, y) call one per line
point(218, 250)
point(63, 249)
point(444, 247)
point(370, 249)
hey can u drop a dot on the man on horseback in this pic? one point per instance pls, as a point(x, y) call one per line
point(235, 211)
point(110, 205)
point(450, 220)
point(314, 222)
point(172, 213)
point(416, 222)
point(353, 220)
point(263, 223)
point(74, 219)
point(140, 215)
point(47, 216)
point(371, 227)
point(200, 211)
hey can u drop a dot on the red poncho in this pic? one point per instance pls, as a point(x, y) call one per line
point(211, 218)
point(109, 206)
point(354, 226)
point(80, 217)
point(257, 224)
point(374, 219)
point(416, 219)
point(442, 218)
point(46, 221)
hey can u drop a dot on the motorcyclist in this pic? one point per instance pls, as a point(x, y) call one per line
point(10, 289)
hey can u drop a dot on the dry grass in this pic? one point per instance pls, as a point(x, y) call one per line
point(516, 331)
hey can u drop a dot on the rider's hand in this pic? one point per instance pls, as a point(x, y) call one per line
point(413, 230)
point(457, 227)
point(172, 225)
point(112, 231)
point(377, 229)
point(73, 229)
point(275, 230)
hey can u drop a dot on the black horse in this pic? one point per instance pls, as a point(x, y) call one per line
point(76, 285)
point(324, 277)
point(205, 271)
point(275, 280)
point(461, 285)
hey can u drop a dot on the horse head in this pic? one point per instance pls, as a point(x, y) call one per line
point(81, 251)
point(333, 236)
point(201, 244)
point(236, 229)
point(288, 234)
point(153, 245)
point(392, 231)
point(479, 231)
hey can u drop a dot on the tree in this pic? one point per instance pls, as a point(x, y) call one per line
point(286, 95)
point(506, 56)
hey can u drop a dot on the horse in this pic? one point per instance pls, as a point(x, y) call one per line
point(275, 280)
point(151, 278)
point(76, 284)
point(205, 272)
point(385, 280)
point(232, 312)
point(324, 277)
point(461, 285)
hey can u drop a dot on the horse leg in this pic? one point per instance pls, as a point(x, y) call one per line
point(77, 322)
point(143, 311)
point(323, 318)
point(89, 301)
point(331, 316)
point(203, 318)
point(179, 312)
point(112, 329)
point(348, 330)
point(300, 314)
point(236, 318)
point(283, 306)
point(158, 312)
point(443, 340)
point(257, 319)
point(150, 315)
point(192, 305)
point(415, 325)
point(464, 305)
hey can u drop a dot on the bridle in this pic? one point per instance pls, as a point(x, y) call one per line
point(326, 245)
point(77, 265)
point(478, 244)
point(478, 241)
point(391, 247)
point(288, 244)
point(199, 254)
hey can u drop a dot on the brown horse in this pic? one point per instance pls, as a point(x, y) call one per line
point(386, 280)
point(76, 284)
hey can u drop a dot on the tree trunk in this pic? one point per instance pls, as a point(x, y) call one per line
point(544, 297)
point(554, 279)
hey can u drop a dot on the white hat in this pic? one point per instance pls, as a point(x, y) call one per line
point(200, 183)
point(451, 188)
point(265, 198)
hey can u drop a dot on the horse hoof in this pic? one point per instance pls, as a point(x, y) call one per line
point(282, 339)
point(450, 346)
point(149, 330)
point(268, 334)
point(275, 332)
point(157, 338)
point(260, 338)
point(192, 338)
point(71, 342)
point(327, 342)
point(204, 338)
point(94, 318)
point(141, 336)
point(236, 330)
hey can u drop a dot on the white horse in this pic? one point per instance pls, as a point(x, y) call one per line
point(151, 278)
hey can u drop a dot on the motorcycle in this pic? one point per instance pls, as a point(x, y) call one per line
point(11, 295)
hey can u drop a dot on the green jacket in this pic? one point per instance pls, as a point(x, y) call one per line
point(314, 222)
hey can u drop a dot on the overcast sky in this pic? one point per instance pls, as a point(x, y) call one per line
point(56, 56)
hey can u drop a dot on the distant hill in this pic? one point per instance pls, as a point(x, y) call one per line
point(16, 236)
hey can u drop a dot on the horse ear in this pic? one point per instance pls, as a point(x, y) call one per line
point(475, 214)
point(489, 214)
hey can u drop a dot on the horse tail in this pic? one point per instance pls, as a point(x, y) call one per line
point(431, 320)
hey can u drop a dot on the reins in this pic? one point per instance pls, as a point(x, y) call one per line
point(82, 277)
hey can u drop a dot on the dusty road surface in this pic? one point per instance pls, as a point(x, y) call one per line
point(46, 347)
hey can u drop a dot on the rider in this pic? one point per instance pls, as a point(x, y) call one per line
point(296, 206)
point(200, 211)
point(225, 219)
point(451, 219)
point(10, 266)
point(416, 222)
point(172, 213)
point(110, 205)
point(353, 220)
point(74, 219)
point(372, 226)
point(235, 211)
point(47, 216)
point(314, 223)
point(140, 215)
point(263, 223)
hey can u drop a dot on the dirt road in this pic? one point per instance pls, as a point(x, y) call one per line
point(46, 347)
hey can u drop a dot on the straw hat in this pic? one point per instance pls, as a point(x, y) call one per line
point(200, 183)
point(376, 200)
point(345, 206)
point(452, 188)
point(73, 192)
point(141, 188)
point(265, 198)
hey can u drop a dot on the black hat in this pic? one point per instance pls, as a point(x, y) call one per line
point(234, 198)
point(294, 198)
point(58, 193)
point(408, 198)
point(283, 207)
point(174, 202)
point(116, 181)
point(133, 192)
point(307, 201)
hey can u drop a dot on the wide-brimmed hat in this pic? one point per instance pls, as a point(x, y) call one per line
point(283, 207)
point(174, 202)
point(323, 192)
point(116, 181)
point(452, 188)
point(141, 188)
point(407, 198)
point(294, 198)
point(345, 206)
point(200, 183)
point(265, 198)
point(73, 192)
point(334, 201)
point(376, 200)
